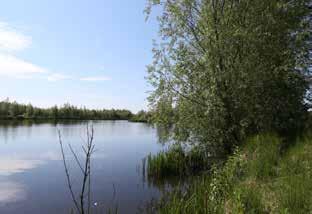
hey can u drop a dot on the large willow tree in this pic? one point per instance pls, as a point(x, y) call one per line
point(227, 69)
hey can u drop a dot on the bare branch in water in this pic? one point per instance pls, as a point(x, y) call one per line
point(76, 157)
point(85, 169)
point(67, 173)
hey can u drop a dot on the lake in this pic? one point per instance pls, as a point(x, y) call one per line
point(32, 176)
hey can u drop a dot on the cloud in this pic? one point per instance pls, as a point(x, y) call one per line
point(95, 78)
point(11, 66)
point(11, 39)
point(57, 77)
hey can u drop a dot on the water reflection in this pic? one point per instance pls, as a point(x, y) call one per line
point(11, 166)
point(31, 165)
point(11, 192)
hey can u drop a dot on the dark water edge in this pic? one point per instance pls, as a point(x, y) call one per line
point(52, 120)
point(38, 121)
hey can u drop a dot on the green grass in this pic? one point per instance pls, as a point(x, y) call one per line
point(261, 177)
point(176, 162)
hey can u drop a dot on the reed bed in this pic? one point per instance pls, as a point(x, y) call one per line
point(175, 162)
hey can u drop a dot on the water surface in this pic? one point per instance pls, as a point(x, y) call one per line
point(32, 177)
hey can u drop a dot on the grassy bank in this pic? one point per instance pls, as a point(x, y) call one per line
point(261, 177)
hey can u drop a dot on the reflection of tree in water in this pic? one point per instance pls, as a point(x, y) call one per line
point(10, 129)
point(16, 123)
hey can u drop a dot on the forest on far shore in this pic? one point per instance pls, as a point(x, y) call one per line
point(14, 110)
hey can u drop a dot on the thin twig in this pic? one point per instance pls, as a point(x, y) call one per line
point(89, 189)
point(86, 171)
point(67, 173)
point(76, 157)
point(88, 150)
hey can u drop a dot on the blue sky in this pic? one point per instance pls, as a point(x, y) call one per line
point(92, 53)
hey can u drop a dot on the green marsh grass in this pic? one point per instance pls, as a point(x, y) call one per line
point(175, 162)
point(261, 177)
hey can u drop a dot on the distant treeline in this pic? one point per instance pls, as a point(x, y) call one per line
point(14, 110)
point(142, 116)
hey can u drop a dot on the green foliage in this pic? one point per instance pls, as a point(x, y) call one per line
point(294, 193)
point(226, 70)
point(294, 185)
point(176, 162)
point(263, 155)
point(193, 200)
point(247, 199)
point(206, 193)
point(239, 187)
point(141, 116)
point(13, 110)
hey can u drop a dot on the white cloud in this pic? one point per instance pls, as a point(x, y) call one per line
point(56, 77)
point(95, 78)
point(11, 66)
point(11, 39)
point(11, 42)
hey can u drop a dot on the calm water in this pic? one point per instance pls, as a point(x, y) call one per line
point(32, 177)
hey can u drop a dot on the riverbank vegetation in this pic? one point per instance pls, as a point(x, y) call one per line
point(176, 162)
point(260, 177)
point(226, 73)
point(227, 70)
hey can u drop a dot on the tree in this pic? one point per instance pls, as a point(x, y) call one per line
point(13, 109)
point(54, 111)
point(4, 109)
point(29, 111)
point(228, 69)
